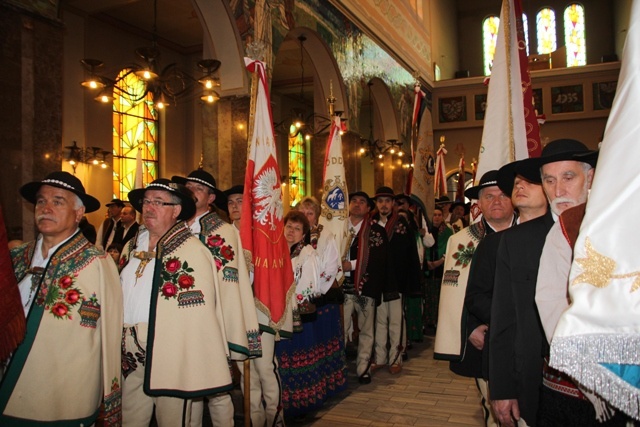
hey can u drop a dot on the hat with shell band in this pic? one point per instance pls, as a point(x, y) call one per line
point(200, 176)
point(187, 199)
point(489, 179)
point(63, 180)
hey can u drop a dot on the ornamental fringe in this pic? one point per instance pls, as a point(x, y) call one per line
point(580, 357)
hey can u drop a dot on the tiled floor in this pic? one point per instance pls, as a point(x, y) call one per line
point(426, 393)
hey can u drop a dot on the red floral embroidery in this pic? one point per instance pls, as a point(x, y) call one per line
point(72, 296)
point(172, 265)
point(65, 282)
point(60, 296)
point(175, 277)
point(222, 253)
point(169, 290)
point(185, 281)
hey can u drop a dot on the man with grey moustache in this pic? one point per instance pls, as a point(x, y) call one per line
point(517, 344)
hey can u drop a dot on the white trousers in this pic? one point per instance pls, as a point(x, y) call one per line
point(266, 390)
point(389, 329)
point(365, 308)
point(220, 409)
point(137, 407)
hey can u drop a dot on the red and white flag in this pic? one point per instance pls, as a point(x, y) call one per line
point(261, 228)
point(420, 180)
point(511, 131)
point(335, 196)
point(440, 181)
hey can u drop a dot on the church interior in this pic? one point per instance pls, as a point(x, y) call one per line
point(368, 55)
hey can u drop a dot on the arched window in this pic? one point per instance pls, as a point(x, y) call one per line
point(546, 30)
point(525, 29)
point(574, 37)
point(297, 166)
point(135, 126)
point(489, 36)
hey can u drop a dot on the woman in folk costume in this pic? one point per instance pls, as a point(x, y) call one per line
point(298, 359)
point(327, 323)
point(174, 342)
point(69, 362)
point(435, 264)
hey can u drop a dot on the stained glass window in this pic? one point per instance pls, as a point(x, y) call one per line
point(297, 166)
point(525, 28)
point(546, 30)
point(135, 127)
point(489, 37)
point(574, 38)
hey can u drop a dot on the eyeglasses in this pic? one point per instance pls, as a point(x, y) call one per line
point(157, 203)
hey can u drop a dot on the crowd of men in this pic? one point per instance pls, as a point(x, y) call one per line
point(159, 331)
point(505, 285)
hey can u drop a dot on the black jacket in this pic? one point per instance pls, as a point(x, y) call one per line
point(516, 339)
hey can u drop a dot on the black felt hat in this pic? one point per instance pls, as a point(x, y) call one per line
point(459, 203)
point(236, 189)
point(369, 200)
point(63, 180)
point(115, 202)
point(187, 199)
point(203, 177)
point(489, 179)
point(443, 200)
point(557, 151)
point(384, 192)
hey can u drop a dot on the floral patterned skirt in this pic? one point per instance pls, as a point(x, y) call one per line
point(312, 363)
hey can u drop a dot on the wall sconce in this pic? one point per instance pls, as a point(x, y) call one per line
point(91, 155)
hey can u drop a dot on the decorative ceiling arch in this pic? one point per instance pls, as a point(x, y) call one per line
point(324, 64)
point(221, 40)
point(387, 115)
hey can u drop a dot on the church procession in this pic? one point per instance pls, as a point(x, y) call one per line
point(357, 214)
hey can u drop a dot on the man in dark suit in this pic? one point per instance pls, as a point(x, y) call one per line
point(107, 229)
point(517, 344)
point(127, 226)
point(531, 203)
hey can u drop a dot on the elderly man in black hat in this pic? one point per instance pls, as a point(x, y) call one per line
point(517, 341)
point(106, 231)
point(174, 348)
point(73, 305)
point(404, 278)
point(236, 296)
point(366, 273)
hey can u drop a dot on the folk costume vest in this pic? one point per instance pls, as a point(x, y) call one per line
point(69, 362)
point(451, 335)
point(186, 354)
point(236, 296)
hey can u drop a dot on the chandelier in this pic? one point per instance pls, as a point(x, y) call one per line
point(166, 85)
point(300, 122)
point(378, 149)
point(90, 155)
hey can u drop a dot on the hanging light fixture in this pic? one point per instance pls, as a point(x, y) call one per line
point(375, 148)
point(75, 155)
point(299, 122)
point(165, 84)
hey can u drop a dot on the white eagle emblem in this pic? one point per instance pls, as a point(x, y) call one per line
point(268, 198)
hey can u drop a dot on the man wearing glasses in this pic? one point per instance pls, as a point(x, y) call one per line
point(173, 329)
